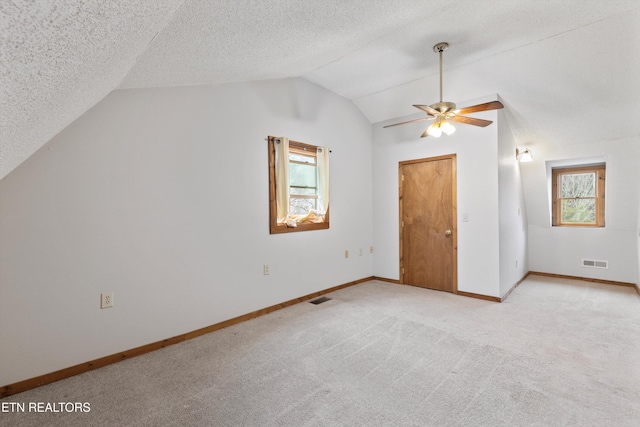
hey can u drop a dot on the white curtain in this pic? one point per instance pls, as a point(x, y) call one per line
point(322, 159)
point(282, 178)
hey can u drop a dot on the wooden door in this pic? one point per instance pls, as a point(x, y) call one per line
point(428, 248)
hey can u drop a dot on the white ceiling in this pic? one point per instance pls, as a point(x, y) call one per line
point(563, 68)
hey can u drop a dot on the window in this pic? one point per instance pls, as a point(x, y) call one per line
point(578, 196)
point(303, 181)
point(298, 186)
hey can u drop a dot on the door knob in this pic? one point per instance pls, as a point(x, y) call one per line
point(447, 233)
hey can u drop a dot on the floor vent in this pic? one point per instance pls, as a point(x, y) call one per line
point(320, 300)
point(594, 263)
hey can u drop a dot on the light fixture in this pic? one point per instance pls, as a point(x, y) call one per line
point(524, 155)
point(447, 127)
point(441, 124)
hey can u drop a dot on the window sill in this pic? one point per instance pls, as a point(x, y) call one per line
point(283, 228)
point(577, 226)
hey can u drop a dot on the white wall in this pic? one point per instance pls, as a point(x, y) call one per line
point(161, 196)
point(559, 250)
point(477, 191)
point(514, 259)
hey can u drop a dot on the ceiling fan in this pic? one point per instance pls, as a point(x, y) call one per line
point(443, 113)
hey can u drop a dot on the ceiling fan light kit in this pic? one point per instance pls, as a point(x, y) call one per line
point(436, 128)
point(443, 113)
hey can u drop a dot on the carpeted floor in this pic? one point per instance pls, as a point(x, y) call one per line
point(557, 353)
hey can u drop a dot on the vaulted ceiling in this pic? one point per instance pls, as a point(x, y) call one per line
point(568, 71)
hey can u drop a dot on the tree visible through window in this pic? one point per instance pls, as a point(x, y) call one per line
point(578, 196)
point(303, 181)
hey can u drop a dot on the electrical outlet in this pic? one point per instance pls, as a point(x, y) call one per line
point(346, 254)
point(106, 300)
point(265, 269)
point(370, 249)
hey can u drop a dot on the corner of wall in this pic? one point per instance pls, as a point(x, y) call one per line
point(513, 227)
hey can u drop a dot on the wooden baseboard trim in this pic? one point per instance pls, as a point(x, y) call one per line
point(637, 289)
point(384, 279)
point(586, 279)
point(504, 297)
point(464, 294)
point(41, 380)
point(479, 296)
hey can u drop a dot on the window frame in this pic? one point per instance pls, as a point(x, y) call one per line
point(274, 226)
point(556, 175)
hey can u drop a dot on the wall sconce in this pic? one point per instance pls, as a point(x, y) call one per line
point(524, 155)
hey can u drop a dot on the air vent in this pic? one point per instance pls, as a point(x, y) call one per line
point(320, 300)
point(594, 263)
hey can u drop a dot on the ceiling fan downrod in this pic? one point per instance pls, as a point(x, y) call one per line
point(442, 107)
point(439, 48)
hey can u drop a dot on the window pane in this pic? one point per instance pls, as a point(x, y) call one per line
point(578, 185)
point(301, 206)
point(302, 175)
point(578, 211)
point(301, 158)
point(303, 191)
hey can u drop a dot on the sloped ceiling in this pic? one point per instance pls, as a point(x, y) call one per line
point(568, 71)
point(58, 58)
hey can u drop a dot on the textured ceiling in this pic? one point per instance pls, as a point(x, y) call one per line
point(562, 68)
point(58, 58)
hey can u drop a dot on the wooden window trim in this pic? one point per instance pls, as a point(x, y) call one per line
point(302, 148)
point(556, 173)
point(274, 227)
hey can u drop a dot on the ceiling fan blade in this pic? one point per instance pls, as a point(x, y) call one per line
point(425, 133)
point(493, 105)
point(471, 121)
point(410, 121)
point(427, 109)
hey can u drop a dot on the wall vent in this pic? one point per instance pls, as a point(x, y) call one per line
point(594, 263)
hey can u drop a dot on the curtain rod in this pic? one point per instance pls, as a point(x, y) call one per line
point(294, 142)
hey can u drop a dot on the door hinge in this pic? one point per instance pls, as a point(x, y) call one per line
point(402, 270)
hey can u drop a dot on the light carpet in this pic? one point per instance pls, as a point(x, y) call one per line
point(558, 352)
